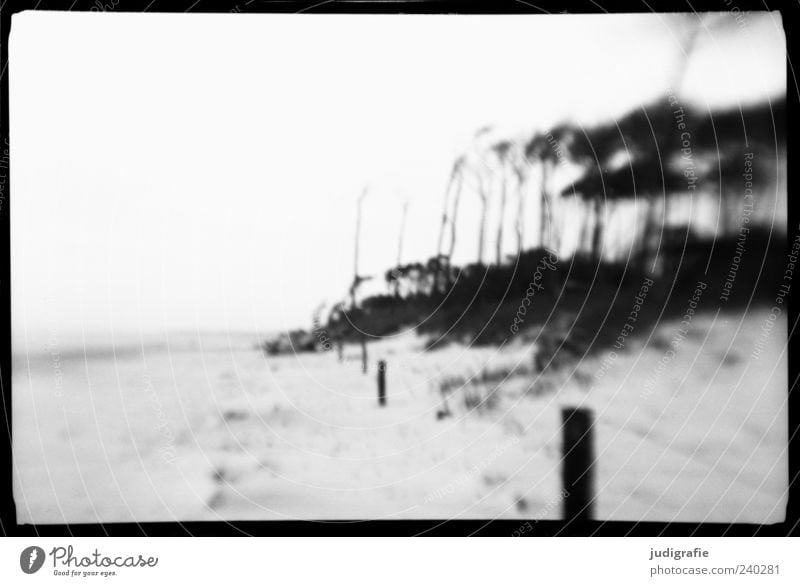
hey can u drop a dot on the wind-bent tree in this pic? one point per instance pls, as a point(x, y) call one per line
point(483, 184)
point(456, 200)
point(502, 151)
point(401, 236)
point(592, 149)
point(520, 167)
point(441, 263)
point(540, 151)
point(593, 189)
point(393, 276)
point(357, 278)
point(691, 25)
point(483, 194)
point(724, 138)
point(453, 183)
point(622, 160)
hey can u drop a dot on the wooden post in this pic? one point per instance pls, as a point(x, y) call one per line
point(382, 383)
point(577, 472)
point(364, 353)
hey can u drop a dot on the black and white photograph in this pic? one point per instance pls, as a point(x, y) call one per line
point(371, 267)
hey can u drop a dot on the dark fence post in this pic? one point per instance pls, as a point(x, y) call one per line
point(363, 353)
point(577, 471)
point(382, 383)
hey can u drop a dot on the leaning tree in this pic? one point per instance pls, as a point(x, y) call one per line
point(541, 151)
point(502, 151)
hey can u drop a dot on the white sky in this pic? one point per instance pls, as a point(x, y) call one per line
point(201, 171)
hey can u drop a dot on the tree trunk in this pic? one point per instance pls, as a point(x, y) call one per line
point(482, 232)
point(358, 243)
point(402, 234)
point(444, 214)
point(484, 208)
point(585, 239)
point(544, 212)
point(647, 236)
point(454, 217)
point(358, 232)
point(499, 251)
point(520, 224)
point(597, 236)
point(554, 230)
